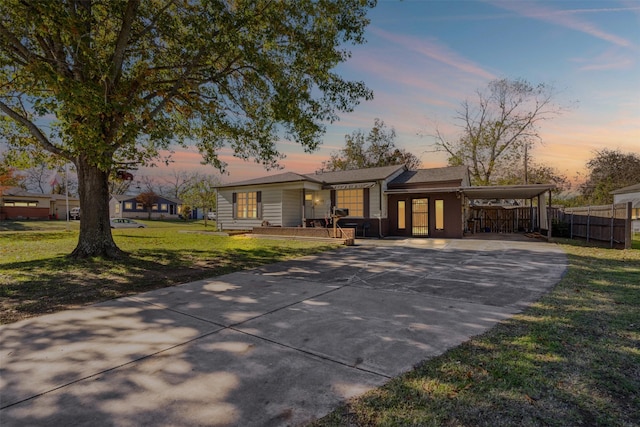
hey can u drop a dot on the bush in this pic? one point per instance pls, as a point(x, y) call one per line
point(560, 228)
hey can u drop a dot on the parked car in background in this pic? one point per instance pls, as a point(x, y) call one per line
point(125, 223)
point(74, 213)
point(211, 216)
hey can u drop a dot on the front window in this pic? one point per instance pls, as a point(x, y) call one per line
point(352, 200)
point(139, 206)
point(247, 205)
point(117, 208)
point(439, 214)
point(401, 215)
point(21, 204)
point(128, 205)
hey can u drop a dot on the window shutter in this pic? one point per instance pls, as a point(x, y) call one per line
point(333, 199)
point(234, 198)
point(259, 204)
point(365, 210)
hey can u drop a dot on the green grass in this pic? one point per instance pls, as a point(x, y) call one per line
point(635, 243)
point(37, 277)
point(573, 358)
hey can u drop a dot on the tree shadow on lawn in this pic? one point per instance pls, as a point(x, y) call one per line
point(39, 287)
point(570, 359)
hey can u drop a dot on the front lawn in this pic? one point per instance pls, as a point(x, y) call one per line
point(571, 359)
point(36, 277)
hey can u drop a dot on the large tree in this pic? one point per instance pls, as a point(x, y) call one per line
point(112, 82)
point(535, 174)
point(176, 182)
point(499, 128)
point(377, 148)
point(609, 170)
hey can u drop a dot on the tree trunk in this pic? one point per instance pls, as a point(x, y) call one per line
point(95, 230)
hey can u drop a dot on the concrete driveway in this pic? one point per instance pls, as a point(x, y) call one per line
point(279, 345)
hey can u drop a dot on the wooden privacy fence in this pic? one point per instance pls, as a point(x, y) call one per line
point(498, 219)
point(606, 223)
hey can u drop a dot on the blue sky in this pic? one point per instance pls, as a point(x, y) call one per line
point(424, 58)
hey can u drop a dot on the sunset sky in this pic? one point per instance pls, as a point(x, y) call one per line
point(424, 58)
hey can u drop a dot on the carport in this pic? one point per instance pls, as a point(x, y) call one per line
point(507, 209)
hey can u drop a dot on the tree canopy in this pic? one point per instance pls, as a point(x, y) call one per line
point(112, 82)
point(609, 170)
point(499, 128)
point(377, 148)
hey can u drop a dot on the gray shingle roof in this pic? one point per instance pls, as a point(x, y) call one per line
point(630, 189)
point(457, 173)
point(19, 192)
point(356, 175)
point(452, 173)
point(123, 197)
point(272, 179)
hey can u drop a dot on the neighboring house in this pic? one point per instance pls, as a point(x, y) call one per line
point(630, 194)
point(16, 203)
point(126, 206)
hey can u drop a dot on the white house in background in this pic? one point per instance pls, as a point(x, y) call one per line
point(630, 194)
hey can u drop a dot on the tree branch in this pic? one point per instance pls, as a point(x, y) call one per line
point(123, 40)
point(33, 129)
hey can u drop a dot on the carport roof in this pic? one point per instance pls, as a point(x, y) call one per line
point(507, 191)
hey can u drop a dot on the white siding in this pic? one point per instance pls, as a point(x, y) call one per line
point(271, 207)
point(291, 208)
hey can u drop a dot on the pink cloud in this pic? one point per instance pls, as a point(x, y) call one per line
point(610, 60)
point(435, 51)
point(564, 18)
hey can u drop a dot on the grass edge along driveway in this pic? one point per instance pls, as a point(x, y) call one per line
point(37, 277)
point(572, 358)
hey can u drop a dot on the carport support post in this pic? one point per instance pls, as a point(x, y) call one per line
point(531, 228)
